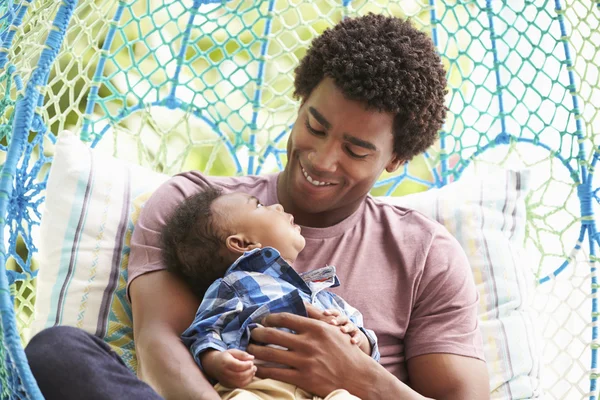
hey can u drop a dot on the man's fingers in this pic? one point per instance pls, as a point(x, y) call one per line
point(292, 322)
point(313, 312)
point(275, 336)
point(273, 355)
point(288, 375)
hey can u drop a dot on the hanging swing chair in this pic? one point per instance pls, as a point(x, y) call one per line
point(151, 88)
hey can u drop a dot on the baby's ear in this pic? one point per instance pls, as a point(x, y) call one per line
point(239, 244)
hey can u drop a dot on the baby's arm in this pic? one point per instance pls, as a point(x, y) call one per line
point(232, 368)
point(218, 314)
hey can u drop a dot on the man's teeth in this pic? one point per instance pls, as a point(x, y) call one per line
point(314, 181)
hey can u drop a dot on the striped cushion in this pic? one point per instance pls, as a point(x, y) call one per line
point(488, 218)
point(92, 203)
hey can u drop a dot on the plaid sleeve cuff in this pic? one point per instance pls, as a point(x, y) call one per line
point(373, 341)
point(201, 346)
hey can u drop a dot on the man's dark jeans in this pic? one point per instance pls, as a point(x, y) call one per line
point(69, 363)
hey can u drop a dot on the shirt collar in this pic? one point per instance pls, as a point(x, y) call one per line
point(268, 261)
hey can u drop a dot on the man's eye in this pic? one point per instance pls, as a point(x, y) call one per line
point(353, 154)
point(259, 205)
point(313, 130)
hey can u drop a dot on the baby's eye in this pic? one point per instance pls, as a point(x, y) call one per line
point(259, 205)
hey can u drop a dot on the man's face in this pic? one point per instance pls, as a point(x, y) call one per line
point(336, 151)
point(252, 223)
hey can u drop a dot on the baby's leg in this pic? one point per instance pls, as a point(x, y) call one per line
point(340, 394)
point(259, 389)
point(239, 394)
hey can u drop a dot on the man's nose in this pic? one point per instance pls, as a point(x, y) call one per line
point(324, 159)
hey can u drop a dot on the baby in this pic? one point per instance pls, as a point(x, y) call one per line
point(237, 254)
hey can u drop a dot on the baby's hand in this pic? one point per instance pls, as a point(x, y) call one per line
point(232, 368)
point(335, 317)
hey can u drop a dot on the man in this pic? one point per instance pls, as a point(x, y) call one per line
point(372, 97)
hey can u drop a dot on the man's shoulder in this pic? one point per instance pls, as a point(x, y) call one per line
point(417, 231)
point(384, 212)
point(397, 224)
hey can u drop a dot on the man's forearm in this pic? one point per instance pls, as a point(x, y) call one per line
point(379, 384)
point(166, 365)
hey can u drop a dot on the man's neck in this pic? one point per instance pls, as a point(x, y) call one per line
point(319, 220)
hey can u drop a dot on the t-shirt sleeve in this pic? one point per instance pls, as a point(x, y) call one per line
point(444, 315)
point(146, 247)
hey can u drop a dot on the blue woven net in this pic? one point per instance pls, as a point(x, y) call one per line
point(523, 91)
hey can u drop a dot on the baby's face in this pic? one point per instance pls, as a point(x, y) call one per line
point(268, 225)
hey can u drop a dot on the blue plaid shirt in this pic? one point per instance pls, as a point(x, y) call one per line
point(258, 284)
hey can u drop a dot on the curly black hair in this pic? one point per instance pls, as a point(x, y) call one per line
point(389, 65)
point(192, 242)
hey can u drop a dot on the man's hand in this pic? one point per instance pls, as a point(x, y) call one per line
point(320, 357)
point(232, 368)
point(336, 318)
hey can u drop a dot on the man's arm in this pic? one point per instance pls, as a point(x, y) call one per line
point(163, 307)
point(448, 376)
point(443, 344)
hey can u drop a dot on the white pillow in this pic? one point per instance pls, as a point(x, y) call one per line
point(487, 215)
point(91, 204)
point(93, 201)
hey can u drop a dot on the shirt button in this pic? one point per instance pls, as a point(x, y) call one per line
point(268, 253)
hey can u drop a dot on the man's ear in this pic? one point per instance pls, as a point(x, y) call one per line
point(394, 164)
point(239, 244)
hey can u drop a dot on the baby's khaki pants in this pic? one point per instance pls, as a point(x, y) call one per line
point(270, 389)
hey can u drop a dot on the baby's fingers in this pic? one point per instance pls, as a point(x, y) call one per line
point(240, 355)
point(357, 336)
point(234, 365)
point(336, 318)
point(332, 311)
point(240, 379)
point(349, 328)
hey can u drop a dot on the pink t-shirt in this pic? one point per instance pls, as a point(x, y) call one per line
point(405, 273)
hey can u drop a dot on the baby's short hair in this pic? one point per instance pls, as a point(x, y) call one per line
point(193, 241)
